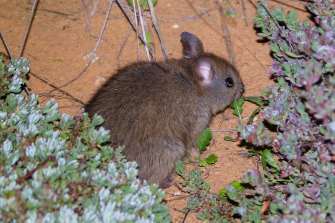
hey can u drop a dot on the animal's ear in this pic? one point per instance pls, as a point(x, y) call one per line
point(192, 45)
point(204, 70)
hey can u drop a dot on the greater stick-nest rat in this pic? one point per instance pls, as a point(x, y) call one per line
point(157, 110)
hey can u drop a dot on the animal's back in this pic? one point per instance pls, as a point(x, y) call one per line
point(152, 109)
point(158, 110)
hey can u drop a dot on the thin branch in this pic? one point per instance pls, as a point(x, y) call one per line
point(26, 32)
point(177, 198)
point(87, 17)
point(95, 49)
point(154, 21)
point(30, 173)
point(133, 26)
point(223, 130)
point(186, 214)
point(226, 35)
point(94, 8)
point(79, 75)
point(215, 30)
point(143, 30)
point(177, 20)
point(137, 36)
point(292, 6)
point(57, 88)
point(244, 13)
point(278, 26)
point(55, 12)
point(121, 48)
point(103, 26)
point(205, 12)
point(5, 43)
point(269, 13)
point(69, 106)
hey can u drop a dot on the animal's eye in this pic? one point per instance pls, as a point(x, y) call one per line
point(229, 82)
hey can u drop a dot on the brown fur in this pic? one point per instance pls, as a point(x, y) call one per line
point(158, 110)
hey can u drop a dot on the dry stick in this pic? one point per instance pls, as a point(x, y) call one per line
point(121, 48)
point(205, 13)
point(176, 20)
point(5, 43)
point(203, 19)
point(224, 130)
point(62, 13)
point(67, 16)
point(30, 173)
point(267, 11)
point(103, 27)
point(182, 19)
point(56, 12)
point(229, 45)
point(209, 17)
point(291, 6)
point(136, 24)
point(226, 35)
point(68, 106)
point(26, 32)
point(278, 26)
point(143, 30)
point(133, 26)
point(87, 18)
point(244, 13)
point(95, 6)
point(177, 198)
point(154, 21)
point(57, 88)
point(151, 32)
point(251, 53)
point(96, 46)
point(186, 214)
point(299, 3)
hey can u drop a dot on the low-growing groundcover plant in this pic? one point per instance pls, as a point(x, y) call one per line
point(297, 126)
point(300, 112)
point(58, 168)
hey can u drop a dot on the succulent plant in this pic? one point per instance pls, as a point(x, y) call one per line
point(60, 168)
point(301, 110)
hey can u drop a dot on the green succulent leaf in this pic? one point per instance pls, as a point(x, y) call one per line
point(204, 140)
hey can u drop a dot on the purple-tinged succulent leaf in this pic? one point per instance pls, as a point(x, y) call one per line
point(298, 120)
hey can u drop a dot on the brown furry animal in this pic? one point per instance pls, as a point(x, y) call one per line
point(158, 110)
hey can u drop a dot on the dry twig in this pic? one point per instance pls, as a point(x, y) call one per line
point(244, 13)
point(154, 21)
point(133, 26)
point(96, 47)
point(137, 37)
point(121, 48)
point(5, 43)
point(205, 12)
point(26, 32)
point(57, 88)
point(86, 16)
point(224, 130)
point(143, 30)
point(226, 35)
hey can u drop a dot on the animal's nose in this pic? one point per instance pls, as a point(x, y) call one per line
point(240, 92)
